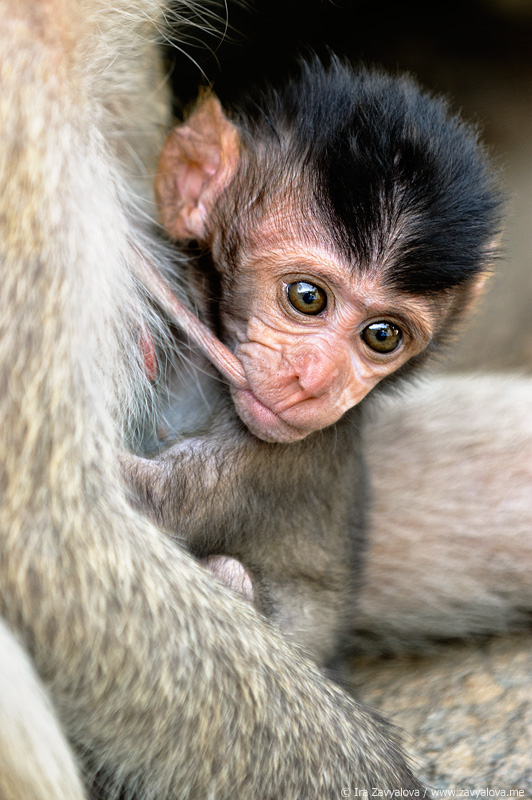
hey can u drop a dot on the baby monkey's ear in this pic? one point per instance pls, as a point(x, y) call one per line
point(197, 161)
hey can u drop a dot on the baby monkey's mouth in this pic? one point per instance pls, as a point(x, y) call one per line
point(262, 421)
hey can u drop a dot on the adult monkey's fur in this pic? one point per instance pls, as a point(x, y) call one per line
point(162, 682)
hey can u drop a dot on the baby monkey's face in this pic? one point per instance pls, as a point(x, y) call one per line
point(313, 336)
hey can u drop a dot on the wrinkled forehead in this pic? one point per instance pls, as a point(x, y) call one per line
point(291, 221)
point(292, 226)
point(280, 194)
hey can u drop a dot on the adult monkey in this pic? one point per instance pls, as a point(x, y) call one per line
point(111, 637)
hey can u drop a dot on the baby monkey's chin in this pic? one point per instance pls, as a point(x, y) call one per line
point(262, 421)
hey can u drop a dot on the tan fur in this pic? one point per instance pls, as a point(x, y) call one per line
point(450, 546)
point(35, 760)
point(164, 683)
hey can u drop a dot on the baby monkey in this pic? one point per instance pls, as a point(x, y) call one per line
point(350, 221)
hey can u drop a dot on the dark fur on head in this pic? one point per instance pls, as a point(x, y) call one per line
point(399, 182)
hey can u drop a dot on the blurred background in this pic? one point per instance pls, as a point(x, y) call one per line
point(476, 52)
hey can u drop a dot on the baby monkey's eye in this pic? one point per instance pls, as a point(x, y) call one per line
point(306, 297)
point(382, 337)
